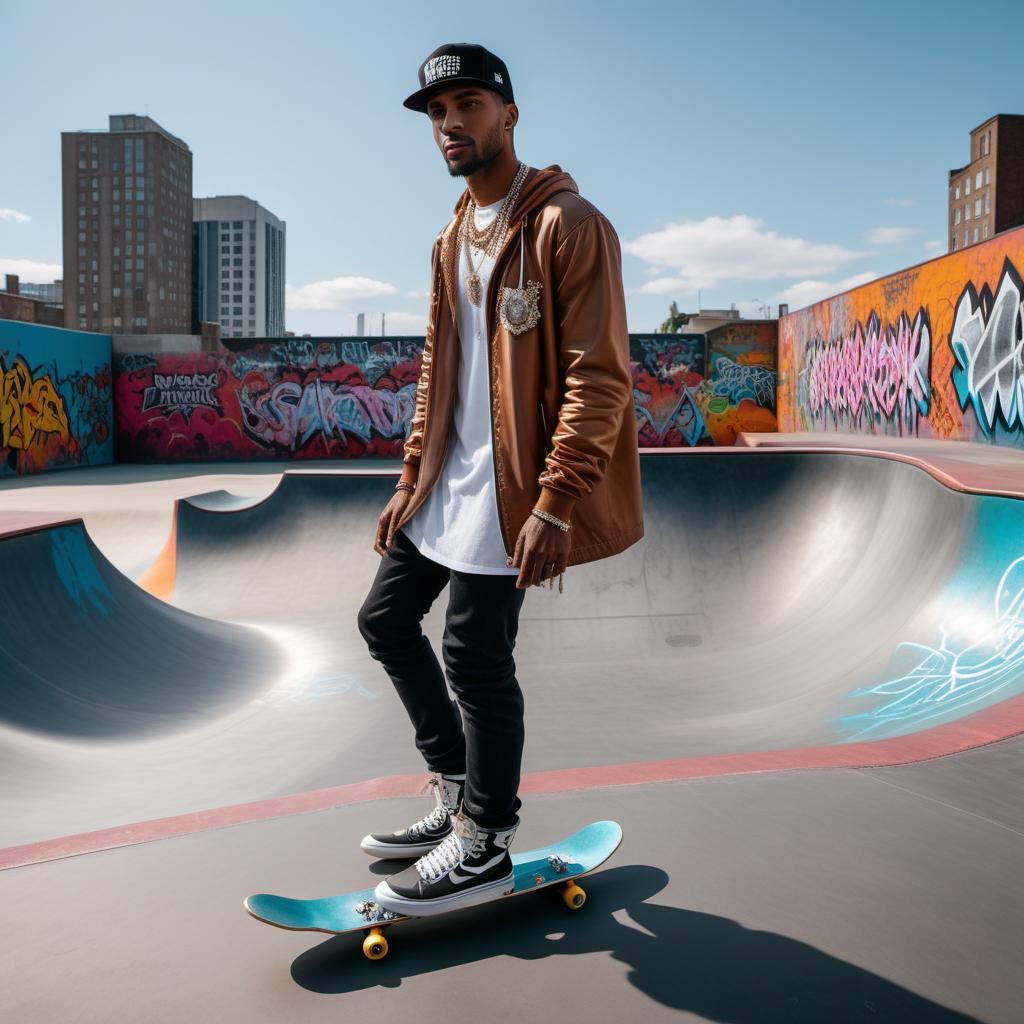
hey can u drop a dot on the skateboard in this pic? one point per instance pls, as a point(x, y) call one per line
point(561, 864)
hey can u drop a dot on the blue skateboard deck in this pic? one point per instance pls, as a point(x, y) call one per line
point(560, 864)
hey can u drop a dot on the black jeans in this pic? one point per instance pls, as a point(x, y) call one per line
point(486, 740)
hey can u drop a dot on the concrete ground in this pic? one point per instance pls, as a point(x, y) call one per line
point(817, 897)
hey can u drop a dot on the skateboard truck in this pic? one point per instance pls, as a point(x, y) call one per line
point(373, 911)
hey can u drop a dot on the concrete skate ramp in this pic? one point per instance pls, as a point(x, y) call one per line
point(779, 603)
point(777, 600)
point(85, 653)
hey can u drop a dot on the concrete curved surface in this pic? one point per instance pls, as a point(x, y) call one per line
point(779, 602)
point(861, 607)
point(85, 653)
point(776, 600)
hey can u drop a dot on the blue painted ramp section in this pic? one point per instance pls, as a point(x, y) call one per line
point(972, 656)
point(84, 652)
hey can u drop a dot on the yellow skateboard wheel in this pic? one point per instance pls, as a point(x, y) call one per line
point(375, 946)
point(573, 896)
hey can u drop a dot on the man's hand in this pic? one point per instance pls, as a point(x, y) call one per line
point(542, 550)
point(388, 519)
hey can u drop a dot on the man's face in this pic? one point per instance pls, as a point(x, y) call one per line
point(471, 119)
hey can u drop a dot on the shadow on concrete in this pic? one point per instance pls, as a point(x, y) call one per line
point(683, 959)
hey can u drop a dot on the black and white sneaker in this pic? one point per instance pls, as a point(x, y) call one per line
point(471, 865)
point(422, 836)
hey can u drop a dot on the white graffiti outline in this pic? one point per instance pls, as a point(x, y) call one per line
point(948, 680)
point(737, 381)
point(987, 340)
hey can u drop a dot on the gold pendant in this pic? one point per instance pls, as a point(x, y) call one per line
point(473, 289)
point(518, 307)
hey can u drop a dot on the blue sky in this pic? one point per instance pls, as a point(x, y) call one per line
point(758, 152)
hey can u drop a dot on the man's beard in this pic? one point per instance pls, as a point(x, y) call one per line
point(491, 147)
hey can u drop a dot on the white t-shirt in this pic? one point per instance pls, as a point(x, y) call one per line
point(457, 524)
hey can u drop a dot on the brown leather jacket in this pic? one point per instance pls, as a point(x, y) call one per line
point(563, 426)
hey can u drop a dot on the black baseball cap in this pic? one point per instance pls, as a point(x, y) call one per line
point(459, 63)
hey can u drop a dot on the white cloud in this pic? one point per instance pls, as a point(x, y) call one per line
point(32, 270)
point(897, 201)
point(409, 323)
point(333, 293)
point(6, 213)
point(706, 252)
point(934, 245)
point(661, 286)
point(414, 294)
point(889, 236)
point(751, 309)
point(804, 293)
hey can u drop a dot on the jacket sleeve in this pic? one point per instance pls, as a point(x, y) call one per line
point(593, 344)
point(413, 446)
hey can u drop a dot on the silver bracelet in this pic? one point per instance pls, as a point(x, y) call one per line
point(549, 518)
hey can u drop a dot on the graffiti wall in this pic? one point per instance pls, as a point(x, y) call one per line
point(354, 397)
point(932, 351)
point(289, 398)
point(697, 389)
point(667, 370)
point(55, 398)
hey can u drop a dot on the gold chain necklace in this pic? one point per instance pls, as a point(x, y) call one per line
point(474, 288)
point(481, 239)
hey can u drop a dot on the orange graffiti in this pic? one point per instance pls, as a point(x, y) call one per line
point(725, 426)
point(29, 407)
point(934, 287)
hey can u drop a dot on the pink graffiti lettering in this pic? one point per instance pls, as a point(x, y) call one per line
point(874, 373)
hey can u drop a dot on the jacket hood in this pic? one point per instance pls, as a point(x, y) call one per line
point(540, 185)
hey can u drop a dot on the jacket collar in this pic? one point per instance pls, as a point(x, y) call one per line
point(539, 186)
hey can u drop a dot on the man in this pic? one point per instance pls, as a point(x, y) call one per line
point(521, 459)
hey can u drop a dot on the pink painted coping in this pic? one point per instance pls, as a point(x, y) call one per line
point(998, 473)
point(15, 524)
point(989, 725)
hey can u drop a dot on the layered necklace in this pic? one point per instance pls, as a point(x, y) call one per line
point(490, 238)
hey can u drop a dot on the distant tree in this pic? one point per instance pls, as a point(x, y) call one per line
point(675, 322)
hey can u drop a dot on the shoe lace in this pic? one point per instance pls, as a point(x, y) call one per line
point(435, 818)
point(464, 840)
point(440, 860)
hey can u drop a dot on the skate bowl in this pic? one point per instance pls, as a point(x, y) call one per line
point(784, 609)
point(777, 599)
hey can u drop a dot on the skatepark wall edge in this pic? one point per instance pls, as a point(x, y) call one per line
point(931, 351)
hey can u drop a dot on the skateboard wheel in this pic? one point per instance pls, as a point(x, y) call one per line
point(375, 946)
point(573, 896)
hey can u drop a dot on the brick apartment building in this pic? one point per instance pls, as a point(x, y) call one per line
point(127, 195)
point(28, 308)
point(986, 196)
